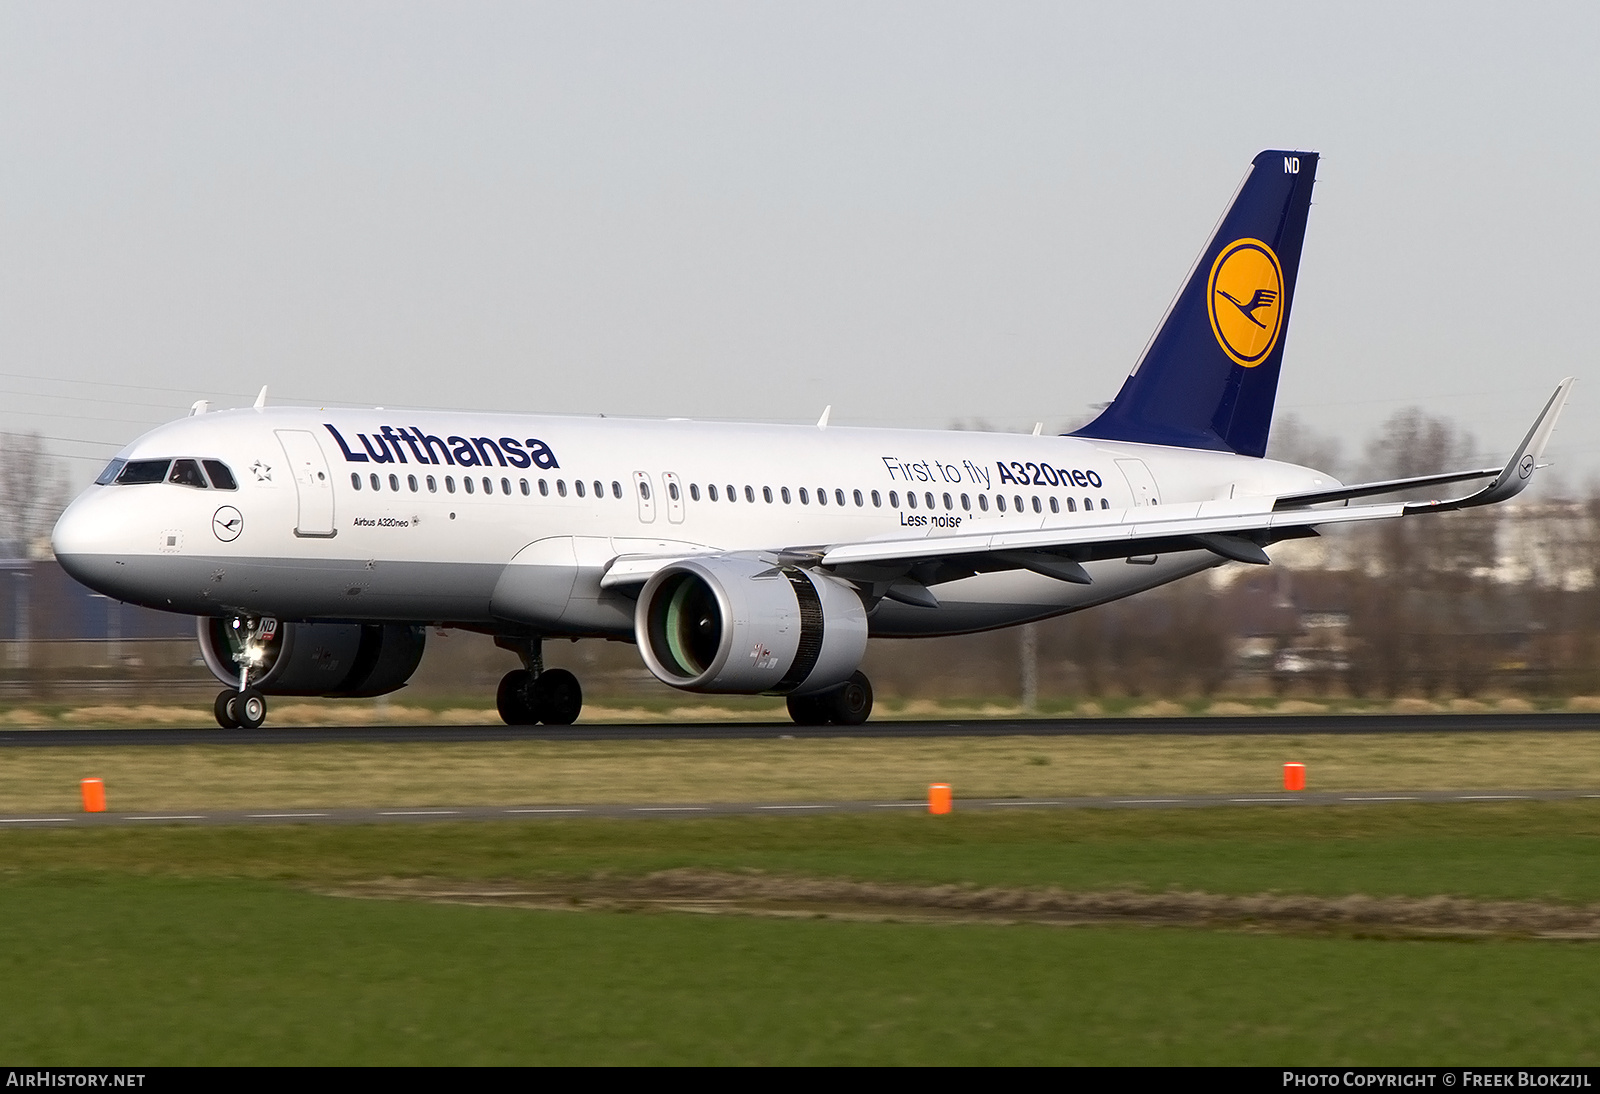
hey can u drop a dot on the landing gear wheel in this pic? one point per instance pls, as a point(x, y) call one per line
point(221, 708)
point(851, 705)
point(247, 708)
point(515, 699)
point(557, 697)
point(808, 710)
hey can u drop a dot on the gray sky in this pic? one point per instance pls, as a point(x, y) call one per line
point(920, 213)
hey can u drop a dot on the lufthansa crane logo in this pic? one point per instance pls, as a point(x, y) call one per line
point(227, 523)
point(1245, 298)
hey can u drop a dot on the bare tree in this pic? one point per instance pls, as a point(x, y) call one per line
point(1293, 441)
point(33, 491)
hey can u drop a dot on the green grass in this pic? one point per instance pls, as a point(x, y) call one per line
point(1515, 850)
point(150, 946)
point(161, 971)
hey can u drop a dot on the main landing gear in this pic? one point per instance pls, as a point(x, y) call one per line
point(533, 693)
point(849, 704)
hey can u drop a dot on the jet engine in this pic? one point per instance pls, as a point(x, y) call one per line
point(338, 660)
point(743, 625)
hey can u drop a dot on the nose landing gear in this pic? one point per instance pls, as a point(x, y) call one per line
point(534, 694)
point(245, 709)
point(251, 642)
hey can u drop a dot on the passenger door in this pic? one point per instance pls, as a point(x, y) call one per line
point(312, 483)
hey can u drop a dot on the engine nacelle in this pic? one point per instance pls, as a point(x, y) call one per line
point(744, 626)
point(338, 660)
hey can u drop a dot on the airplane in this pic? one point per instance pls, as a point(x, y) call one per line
point(316, 547)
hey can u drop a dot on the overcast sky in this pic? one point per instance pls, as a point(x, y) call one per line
point(920, 213)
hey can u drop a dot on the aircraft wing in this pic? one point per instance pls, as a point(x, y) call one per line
point(1509, 480)
point(1234, 528)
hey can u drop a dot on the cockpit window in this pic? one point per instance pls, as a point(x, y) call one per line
point(137, 472)
point(109, 475)
point(221, 477)
point(187, 473)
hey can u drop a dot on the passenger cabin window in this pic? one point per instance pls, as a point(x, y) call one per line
point(822, 497)
point(411, 483)
point(787, 499)
point(983, 502)
point(911, 500)
point(577, 487)
point(221, 477)
point(449, 484)
point(544, 488)
point(139, 472)
point(600, 490)
point(877, 500)
point(805, 496)
point(894, 499)
point(750, 494)
point(433, 485)
point(616, 490)
point(394, 483)
point(488, 485)
point(376, 483)
point(1055, 506)
point(355, 481)
point(860, 501)
point(711, 492)
point(526, 492)
point(838, 496)
point(505, 487)
point(694, 491)
point(644, 490)
point(561, 488)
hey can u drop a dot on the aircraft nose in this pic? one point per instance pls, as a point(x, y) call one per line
point(73, 533)
point(83, 540)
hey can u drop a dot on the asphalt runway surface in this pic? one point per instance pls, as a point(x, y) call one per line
point(1255, 725)
point(435, 814)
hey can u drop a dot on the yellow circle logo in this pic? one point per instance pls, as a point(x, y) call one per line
point(1245, 299)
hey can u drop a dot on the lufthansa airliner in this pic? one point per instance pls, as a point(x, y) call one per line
point(316, 547)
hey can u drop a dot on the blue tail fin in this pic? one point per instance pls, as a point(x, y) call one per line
point(1209, 376)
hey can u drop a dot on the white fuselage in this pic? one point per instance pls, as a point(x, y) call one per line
point(369, 515)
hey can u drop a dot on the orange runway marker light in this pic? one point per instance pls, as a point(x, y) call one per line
point(94, 795)
point(939, 798)
point(1294, 776)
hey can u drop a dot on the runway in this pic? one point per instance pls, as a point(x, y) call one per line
point(1255, 725)
point(436, 814)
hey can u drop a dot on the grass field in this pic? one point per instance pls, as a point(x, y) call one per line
point(240, 776)
point(224, 945)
